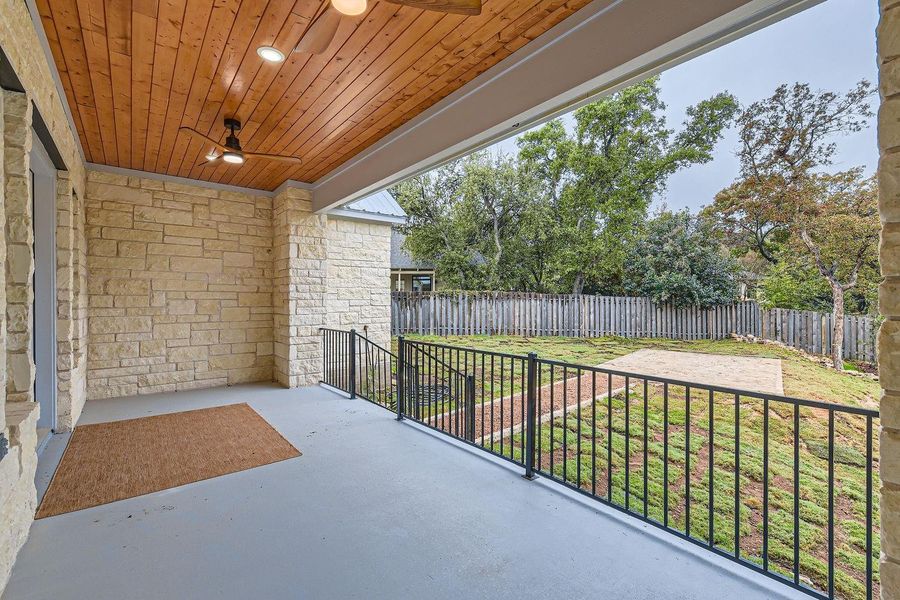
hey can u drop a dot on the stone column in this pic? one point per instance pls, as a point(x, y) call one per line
point(889, 293)
point(299, 243)
point(19, 246)
point(4, 439)
point(70, 385)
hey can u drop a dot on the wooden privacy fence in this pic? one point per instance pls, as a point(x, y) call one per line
point(581, 315)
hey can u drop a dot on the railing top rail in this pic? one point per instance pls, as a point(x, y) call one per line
point(467, 348)
point(858, 410)
point(333, 330)
point(846, 408)
point(437, 360)
point(378, 346)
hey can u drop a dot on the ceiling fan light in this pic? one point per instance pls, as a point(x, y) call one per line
point(349, 7)
point(270, 54)
point(235, 158)
point(211, 155)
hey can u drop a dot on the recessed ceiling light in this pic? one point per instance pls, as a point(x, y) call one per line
point(271, 54)
point(349, 7)
point(212, 155)
point(235, 158)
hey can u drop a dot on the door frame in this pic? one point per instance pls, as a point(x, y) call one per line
point(43, 338)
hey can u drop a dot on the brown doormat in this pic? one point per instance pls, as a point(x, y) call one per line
point(123, 459)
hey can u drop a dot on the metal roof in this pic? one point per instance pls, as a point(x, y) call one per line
point(400, 258)
point(380, 203)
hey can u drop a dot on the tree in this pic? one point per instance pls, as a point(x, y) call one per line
point(836, 221)
point(783, 139)
point(467, 219)
point(795, 284)
point(678, 258)
point(434, 232)
point(496, 196)
point(600, 180)
point(785, 202)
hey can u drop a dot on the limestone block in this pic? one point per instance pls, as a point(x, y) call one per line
point(128, 287)
point(237, 259)
point(20, 371)
point(195, 265)
point(231, 208)
point(191, 233)
point(232, 361)
point(113, 350)
point(119, 324)
point(20, 263)
point(187, 353)
point(161, 215)
point(235, 314)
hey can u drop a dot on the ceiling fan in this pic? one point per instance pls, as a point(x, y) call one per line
point(323, 29)
point(231, 150)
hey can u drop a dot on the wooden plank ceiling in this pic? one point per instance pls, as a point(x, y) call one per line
point(134, 71)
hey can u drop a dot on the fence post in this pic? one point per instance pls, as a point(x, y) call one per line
point(470, 408)
point(531, 415)
point(401, 376)
point(352, 363)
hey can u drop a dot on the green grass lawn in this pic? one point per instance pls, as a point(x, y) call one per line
point(578, 449)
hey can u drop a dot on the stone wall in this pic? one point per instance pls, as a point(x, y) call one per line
point(18, 420)
point(300, 282)
point(19, 232)
point(71, 317)
point(358, 278)
point(179, 286)
point(889, 293)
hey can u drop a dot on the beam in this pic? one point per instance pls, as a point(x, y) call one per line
point(607, 45)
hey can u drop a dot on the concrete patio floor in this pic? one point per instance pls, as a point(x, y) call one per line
point(373, 509)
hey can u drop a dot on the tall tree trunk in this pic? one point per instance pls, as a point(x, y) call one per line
point(578, 285)
point(837, 327)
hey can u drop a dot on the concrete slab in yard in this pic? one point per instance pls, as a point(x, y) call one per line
point(741, 372)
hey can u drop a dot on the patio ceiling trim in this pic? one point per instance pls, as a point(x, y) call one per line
point(198, 182)
point(591, 54)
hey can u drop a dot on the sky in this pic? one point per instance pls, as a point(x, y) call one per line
point(830, 46)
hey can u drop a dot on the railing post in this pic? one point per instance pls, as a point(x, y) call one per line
point(401, 376)
point(470, 408)
point(530, 415)
point(352, 349)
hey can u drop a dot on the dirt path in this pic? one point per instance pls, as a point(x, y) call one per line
point(498, 419)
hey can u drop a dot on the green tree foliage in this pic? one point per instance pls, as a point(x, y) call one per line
point(678, 258)
point(784, 138)
point(600, 180)
point(794, 284)
point(560, 216)
point(467, 218)
point(786, 206)
point(435, 231)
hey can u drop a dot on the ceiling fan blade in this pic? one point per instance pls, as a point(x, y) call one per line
point(206, 163)
point(457, 7)
point(321, 33)
point(281, 157)
point(196, 133)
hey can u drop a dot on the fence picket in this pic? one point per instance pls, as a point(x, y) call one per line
point(573, 315)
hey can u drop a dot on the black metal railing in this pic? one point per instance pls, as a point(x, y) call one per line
point(436, 392)
point(355, 364)
point(781, 485)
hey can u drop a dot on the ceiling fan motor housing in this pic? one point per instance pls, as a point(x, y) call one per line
point(232, 141)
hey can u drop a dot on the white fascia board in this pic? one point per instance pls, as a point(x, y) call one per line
point(358, 215)
point(603, 47)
